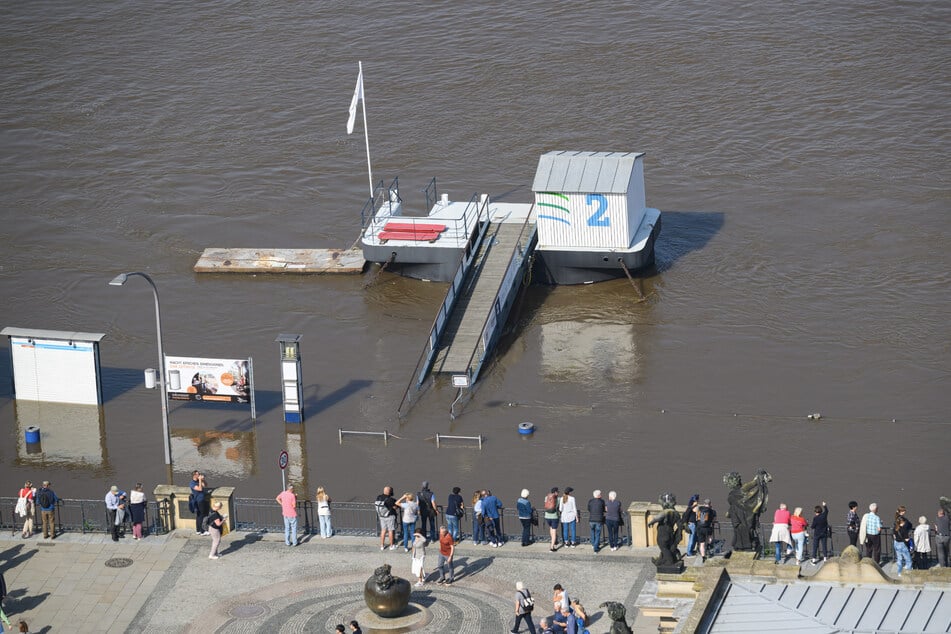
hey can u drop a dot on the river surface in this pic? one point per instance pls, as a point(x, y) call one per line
point(798, 152)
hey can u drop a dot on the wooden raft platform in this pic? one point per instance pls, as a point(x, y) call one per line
point(222, 260)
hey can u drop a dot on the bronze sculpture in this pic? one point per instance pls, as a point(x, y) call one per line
point(385, 594)
point(618, 615)
point(747, 503)
point(669, 535)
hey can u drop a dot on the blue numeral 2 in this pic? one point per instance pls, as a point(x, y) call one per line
point(598, 219)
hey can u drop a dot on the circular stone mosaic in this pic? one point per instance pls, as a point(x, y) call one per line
point(319, 609)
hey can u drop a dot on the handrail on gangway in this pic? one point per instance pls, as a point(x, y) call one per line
point(428, 354)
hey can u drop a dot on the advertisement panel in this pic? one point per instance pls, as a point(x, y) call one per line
point(217, 380)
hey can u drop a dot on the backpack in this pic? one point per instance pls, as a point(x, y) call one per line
point(192, 504)
point(527, 602)
point(425, 500)
point(704, 517)
point(381, 509)
point(551, 502)
point(45, 498)
point(206, 524)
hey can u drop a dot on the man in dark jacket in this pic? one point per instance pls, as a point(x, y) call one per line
point(820, 532)
point(596, 518)
point(427, 510)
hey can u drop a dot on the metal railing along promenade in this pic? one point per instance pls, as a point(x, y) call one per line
point(83, 516)
point(262, 515)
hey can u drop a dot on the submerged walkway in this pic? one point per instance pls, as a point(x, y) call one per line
point(261, 585)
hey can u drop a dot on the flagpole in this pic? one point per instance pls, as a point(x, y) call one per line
point(366, 133)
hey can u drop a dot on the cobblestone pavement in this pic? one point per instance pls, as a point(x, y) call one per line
point(261, 585)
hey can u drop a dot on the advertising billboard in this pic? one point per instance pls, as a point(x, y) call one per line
point(215, 380)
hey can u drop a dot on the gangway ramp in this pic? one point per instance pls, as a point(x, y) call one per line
point(475, 310)
point(474, 307)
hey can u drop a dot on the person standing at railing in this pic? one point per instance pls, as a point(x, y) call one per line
point(870, 533)
point(820, 533)
point(942, 529)
point(492, 511)
point(524, 507)
point(112, 510)
point(288, 502)
point(902, 532)
point(409, 508)
point(323, 513)
point(199, 497)
point(427, 510)
point(455, 511)
point(46, 499)
point(386, 511)
point(24, 508)
point(852, 524)
point(478, 531)
point(596, 508)
point(137, 510)
point(612, 519)
point(922, 545)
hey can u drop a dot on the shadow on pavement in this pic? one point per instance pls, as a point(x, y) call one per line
point(15, 556)
point(236, 545)
point(463, 568)
point(17, 602)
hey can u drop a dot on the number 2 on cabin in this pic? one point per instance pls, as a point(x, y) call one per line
point(598, 218)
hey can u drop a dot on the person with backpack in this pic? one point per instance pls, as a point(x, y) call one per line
point(706, 516)
point(551, 517)
point(524, 508)
point(46, 499)
point(524, 604)
point(427, 510)
point(386, 510)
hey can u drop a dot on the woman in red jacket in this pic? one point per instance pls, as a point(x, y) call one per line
point(797, 529)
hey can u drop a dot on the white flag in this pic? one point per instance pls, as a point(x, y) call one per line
point(357, 96)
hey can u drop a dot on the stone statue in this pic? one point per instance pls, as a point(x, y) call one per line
point(618, 615)
point(669, 534)
point(385, 594)
point(747, 503)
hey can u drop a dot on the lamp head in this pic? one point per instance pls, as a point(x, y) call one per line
point(119, 279)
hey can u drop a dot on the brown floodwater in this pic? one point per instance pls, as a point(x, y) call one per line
point(798, 152)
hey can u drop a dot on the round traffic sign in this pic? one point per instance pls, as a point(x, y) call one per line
point(283, 460)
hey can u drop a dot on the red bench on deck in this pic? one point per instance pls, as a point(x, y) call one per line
point(416, 227)
point(416, 236)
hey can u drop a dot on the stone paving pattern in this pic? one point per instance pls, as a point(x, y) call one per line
point(261, 585)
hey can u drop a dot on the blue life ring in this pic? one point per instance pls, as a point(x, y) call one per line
point(526, 428)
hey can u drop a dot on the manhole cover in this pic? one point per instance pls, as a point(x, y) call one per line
point(248, 611)
point(118, 562)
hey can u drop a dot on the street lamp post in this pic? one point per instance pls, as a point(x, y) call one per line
point(119, 280)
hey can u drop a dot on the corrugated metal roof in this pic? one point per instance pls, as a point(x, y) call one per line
point(599, 172)
point(833, 609)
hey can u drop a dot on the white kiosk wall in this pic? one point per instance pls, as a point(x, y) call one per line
point(55, 366)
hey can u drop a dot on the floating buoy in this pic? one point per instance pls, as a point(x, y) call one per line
point(526, 428)
point(32, 434)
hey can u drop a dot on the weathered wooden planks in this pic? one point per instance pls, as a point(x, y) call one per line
point(223, 260)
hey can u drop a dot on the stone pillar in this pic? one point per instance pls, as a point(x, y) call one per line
point(641, 513)
point(177, 497)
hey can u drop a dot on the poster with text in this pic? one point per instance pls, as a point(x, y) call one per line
point(216, 380)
